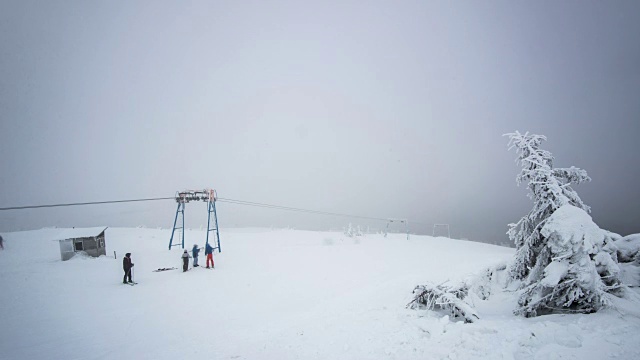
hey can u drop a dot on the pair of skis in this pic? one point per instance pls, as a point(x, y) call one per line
point(164, 269)
point(201, 267)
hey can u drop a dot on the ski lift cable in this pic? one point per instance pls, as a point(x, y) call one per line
point(227, 200)
point(82, 203)
point(279, 207)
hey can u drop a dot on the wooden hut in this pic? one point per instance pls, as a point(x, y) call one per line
point(88, 240)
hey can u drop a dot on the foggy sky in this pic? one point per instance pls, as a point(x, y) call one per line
point(382, 109)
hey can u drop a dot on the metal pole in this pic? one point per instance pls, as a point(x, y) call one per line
point(208, 221)
point(215, 216)
point(174, 226)
point(183, 228)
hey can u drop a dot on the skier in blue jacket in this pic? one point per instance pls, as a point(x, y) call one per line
point(195, 251)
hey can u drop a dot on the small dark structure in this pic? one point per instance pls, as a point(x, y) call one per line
point(87, 240)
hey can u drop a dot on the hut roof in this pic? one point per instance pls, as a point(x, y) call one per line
point(63, 234)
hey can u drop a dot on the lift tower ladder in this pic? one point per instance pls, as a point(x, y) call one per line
point(183, 197)
point(179, 210)
point(211, 209)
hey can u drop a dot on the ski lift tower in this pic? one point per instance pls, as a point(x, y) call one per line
point(401, 221)
point(182, 198)
point(444, 226)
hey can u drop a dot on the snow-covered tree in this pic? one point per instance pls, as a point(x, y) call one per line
point(352, 231)
point(575, 269)
point(549, 189)
point(555, 266)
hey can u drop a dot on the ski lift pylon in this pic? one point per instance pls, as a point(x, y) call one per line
point(182, 198)
point(401, 221)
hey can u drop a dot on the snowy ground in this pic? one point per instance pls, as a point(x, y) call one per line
point(277, 294)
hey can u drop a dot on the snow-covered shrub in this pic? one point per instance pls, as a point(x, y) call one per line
point(458, 300)
point(485, 284)
point(628, 248)
point(563, 262)
point(447, 298)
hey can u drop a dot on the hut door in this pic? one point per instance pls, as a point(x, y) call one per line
point(77, 246)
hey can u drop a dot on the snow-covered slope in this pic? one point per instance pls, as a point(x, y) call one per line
point(275, 294)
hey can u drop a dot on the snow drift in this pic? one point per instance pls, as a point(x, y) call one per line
point(278, 294)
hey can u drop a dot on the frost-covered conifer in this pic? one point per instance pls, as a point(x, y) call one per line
point(549, 189)
point(575, 269)
point(350, 231)
point(558, 268)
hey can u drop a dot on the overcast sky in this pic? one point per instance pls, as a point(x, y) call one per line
point(383, 109)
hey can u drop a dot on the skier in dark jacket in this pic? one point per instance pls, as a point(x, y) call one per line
point(1, 243)
point(126, 266)
point(208, 250)
point(185, 261)
point(195, 251)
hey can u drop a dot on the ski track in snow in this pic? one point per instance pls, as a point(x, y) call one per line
point(277, 294)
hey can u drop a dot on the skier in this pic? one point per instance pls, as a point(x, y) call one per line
point(185, 261)
point(195, 251)
point(127, 265)
point(1, 243)
point(208, 250)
